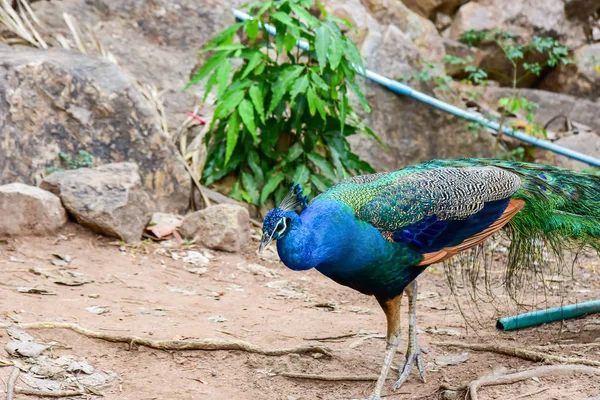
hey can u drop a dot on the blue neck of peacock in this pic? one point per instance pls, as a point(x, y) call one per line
point(327, 235)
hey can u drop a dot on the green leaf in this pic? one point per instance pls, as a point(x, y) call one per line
point(283, 18)
point(257, 99)
point(233, 129)
point(301, 174)
point(343, 108)
point(318, 182)
point(311, 96)
point(224, 37)
point(283, 83)
point(229, 47)
point(289, 42)
point(322, 42)
point(272, 184)
point(294, 152)
point(228, 103)
point(317, 80)
point(252, 29)
point(254, 164)
point(359, 95)
point(208, 66)
point(253, 62)
point(323, 165)
point(304, 14)
point(251, 187)
point(246, 111)
point(353, 55)
point(336, 47)
point(299, 86)
point(210, 82)
point(223, 77)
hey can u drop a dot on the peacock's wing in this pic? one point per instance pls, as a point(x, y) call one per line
point(443, 210)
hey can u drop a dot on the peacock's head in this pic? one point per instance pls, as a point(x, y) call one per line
point(278, 221)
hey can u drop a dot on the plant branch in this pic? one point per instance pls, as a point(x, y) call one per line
point(524, 354)
point(546, 370)
point(208, 344)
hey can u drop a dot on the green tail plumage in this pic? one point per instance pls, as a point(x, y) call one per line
point(562, 212)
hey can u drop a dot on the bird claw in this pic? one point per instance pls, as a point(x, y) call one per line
point(412, 357)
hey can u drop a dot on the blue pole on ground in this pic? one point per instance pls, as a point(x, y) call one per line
point(535, 318)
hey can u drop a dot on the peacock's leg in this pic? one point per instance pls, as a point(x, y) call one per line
point(413, 351)
point(391, 308)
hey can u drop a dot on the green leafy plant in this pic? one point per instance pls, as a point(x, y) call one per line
point(285, 114)
point(83, 160)
point(546, 49)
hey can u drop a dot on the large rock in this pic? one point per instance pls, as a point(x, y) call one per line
point(583, 142)
point(29, 210)
point(525, 19)
point(554, 110)
point(420, 31)
point(222, 227)
point(108, 199)
point(155, 41)
point(552, 105)
point(429, 8)
point(60, 100)
point(413, 131)
point(581, 78)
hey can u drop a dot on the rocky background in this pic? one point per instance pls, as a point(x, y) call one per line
point(122, 99)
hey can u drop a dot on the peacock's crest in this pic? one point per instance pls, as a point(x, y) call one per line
point(294, 199)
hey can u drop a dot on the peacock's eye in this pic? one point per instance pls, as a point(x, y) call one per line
point(281, 227)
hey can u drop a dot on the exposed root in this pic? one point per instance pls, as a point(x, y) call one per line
point(209, 344)
point(10, 388)
point(329, 377)
point(545, 370)
point(43, 393)
point(525, 354)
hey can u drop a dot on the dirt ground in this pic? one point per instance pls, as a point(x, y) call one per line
point(147, 291)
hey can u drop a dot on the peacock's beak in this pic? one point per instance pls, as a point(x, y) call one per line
point(264, 242)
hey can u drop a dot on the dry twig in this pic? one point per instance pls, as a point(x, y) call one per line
point(525, 354)
point(330, 377)
point(43, 393)
point(209, 344)
point(10, 389)
point(545, 370)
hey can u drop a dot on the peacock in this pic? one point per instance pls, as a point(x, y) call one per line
point(376, 233)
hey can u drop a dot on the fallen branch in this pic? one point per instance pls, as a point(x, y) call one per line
point(545, 370)
point(209, 344)
point(43, 393)
point(10, 389)
point(525, 354)
point(330, 377)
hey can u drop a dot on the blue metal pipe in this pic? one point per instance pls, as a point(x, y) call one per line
point(550, 315)
point(405, 90)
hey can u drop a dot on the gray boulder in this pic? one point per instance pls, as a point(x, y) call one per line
point(581, 78)
point(29, 210)
point(222, 227)
point(109, 199)
point(60, 100)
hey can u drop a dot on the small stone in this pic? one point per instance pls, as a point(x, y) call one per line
point(93, 296)
point(452, 359)
point(449, 395)
point(29, 210)
point(217, 318)
point(213, 373)
point(108, 199)
point(222, 227)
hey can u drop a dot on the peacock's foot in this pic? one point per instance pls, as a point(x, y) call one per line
point(412, 357)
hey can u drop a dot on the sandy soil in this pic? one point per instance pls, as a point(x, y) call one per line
point(145, 291)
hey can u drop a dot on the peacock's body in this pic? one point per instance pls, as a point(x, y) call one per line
point(377, 233)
